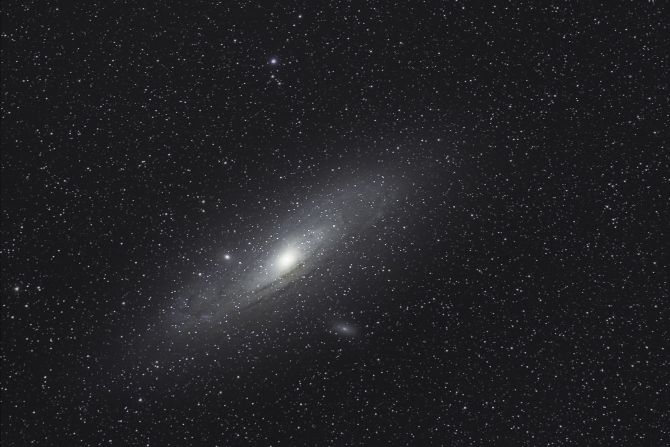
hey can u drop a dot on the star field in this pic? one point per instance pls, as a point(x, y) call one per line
point(335, 223)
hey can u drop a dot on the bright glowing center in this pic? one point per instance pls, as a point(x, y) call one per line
point(287, 259)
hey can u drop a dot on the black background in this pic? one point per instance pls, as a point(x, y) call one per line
point(517, 294)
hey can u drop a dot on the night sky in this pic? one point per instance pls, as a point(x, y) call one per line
point(334, 223)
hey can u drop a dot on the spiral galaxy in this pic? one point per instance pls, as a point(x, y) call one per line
point(320, 230)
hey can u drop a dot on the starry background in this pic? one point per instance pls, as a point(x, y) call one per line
point(515, 294)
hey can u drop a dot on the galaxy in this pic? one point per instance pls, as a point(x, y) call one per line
point(311, 236)
point(335, 223)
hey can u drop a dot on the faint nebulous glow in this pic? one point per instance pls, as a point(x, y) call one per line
point(345, 329)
